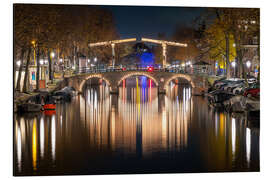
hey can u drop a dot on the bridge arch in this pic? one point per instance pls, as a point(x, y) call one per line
point(93, 76)
point(183, 76)
point(137, 74)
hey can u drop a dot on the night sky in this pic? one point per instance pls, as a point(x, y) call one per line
point(143, 21)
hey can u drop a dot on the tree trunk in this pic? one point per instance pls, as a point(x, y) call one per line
point(239, 62)
point(38, 69)
point(259, 58)
point(228, 69)
point(26, 71)
point(18, 86)
point(244, 74)
point(50, 65)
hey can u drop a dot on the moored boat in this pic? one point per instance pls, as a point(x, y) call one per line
point(49, 112)
point(49, 106)
point(30, 107)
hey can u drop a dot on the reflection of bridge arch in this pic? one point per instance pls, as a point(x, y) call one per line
point(93, 76)
point(137, 74)
point(183, 76)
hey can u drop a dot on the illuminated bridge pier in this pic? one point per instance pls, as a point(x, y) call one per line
point(113, 80)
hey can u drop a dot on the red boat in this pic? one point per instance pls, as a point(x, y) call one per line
point(49, 112)
point(49, 106)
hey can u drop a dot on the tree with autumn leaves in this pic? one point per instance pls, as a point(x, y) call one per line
point(226, 34)
point(66, 30)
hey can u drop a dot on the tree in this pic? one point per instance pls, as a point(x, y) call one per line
point(226, 32)
point(35, 23)
point(22, 37)
point(220, 44)
point(184, 34)
point(26, 70)
point(18, 86)
point(66, 29)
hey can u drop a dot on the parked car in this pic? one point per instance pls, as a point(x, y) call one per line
point(239, 89)
point(251, 79)
point(254, 91)
point(233, 85)
point(218, 81)
point(221, 83)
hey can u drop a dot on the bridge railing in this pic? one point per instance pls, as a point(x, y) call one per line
point(144, 69)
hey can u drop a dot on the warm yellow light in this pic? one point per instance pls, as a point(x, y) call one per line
point(33, 42)
point(34, 145)
point(52, 54)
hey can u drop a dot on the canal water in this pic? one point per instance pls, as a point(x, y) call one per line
point(137, 131)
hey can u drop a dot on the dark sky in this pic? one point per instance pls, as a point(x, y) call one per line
point(147, 21)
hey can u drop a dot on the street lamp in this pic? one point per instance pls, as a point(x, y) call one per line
point(18, 63)
point(52, 54)
point(233, 65)
point(248, 63)
point(33, 42)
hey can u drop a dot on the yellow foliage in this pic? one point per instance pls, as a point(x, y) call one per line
point(217, 41)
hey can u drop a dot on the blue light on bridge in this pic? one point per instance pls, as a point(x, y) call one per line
point(147, 59)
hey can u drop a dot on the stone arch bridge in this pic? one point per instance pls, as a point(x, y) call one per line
point(113, 79)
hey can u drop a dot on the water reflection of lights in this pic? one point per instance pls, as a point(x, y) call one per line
point(216, 124)
point(95, 115)
point(34, 144)
point(19, 147)
point(95, 100)
point(164, 127)
point(42, 137)
point(113, 128)
point(233, 136)
point(248, 144)
point(53, 136)
point(221, 124)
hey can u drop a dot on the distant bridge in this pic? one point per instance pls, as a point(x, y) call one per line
point(113, 79)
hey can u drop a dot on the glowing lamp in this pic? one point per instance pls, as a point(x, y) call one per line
point(18, 63)
point(150, 69)
point(52, 54)
point(248, 63)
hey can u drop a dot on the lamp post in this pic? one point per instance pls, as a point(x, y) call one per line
point(18, 63)
point(233, 65)
point(52, 59)
point(33, 42)
point(216, 68)
point(95, 60)
point(183, 66)
point(248, 63)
